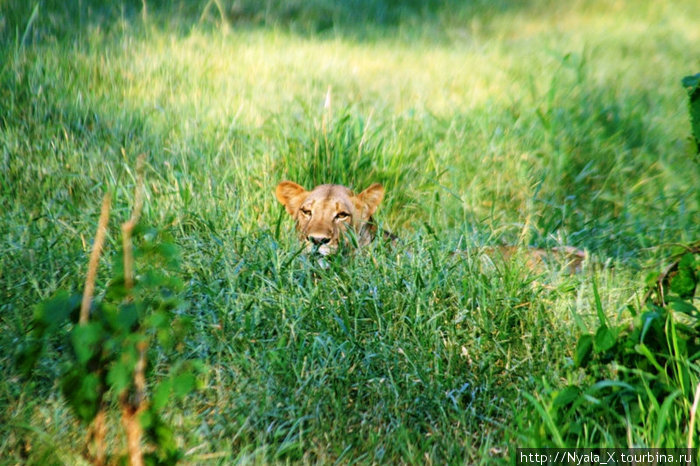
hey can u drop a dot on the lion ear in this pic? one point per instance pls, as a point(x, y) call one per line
point(370, 199)
point(291, 195)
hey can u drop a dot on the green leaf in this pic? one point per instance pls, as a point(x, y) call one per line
point(120, 373)
point(147, 233)
point(86, 339)
point(567, 396)
point(116, 291)
point(56, 310)
point(685, 281)
point(28, 353)
point(614, 384)
point(682, 306)
point(109, 313)
point(547, 419)
point(652, 279)
point(159, 320)
point(128, 316)
point(152, 278)
point(183, 384)
point(599, 305)
point(584, 349)
point(161, 435)
point(605, 339)
point(663, 418)
point(691, 82)
point(180, 326)
point(83, 393)
point(147, 418)
point(650, 319)
point(198, 366)
point(161, 394)
point(646, 352)
point(165, 339)
point(170, 253)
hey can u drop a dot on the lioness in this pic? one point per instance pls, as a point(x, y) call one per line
point(323, 214)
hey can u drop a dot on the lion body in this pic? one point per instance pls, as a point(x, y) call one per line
point(325, 215)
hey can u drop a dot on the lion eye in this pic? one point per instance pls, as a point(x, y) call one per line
point(342, 215)
point(305, 212)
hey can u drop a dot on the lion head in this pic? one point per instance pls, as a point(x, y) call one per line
point(325, 213)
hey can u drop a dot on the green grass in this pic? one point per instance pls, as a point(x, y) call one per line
point(533, 123)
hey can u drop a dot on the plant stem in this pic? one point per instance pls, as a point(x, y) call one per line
point(132, 409)
point(94, 259)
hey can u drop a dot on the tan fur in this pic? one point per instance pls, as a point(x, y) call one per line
point(569, 258)
point(325, 213)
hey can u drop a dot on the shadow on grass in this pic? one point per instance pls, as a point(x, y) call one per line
point(359, 19)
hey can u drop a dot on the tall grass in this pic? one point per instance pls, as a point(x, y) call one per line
point(537, 124)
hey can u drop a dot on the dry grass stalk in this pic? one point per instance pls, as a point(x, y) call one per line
point(132, 428)
point(131, 409)
point(98, 431)
point(94, 259)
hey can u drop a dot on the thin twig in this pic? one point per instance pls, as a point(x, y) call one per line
point(128, 226)
point(94, 259)
point(99, 426)
point(98, 429)
point(132, 428)
point(96, 433)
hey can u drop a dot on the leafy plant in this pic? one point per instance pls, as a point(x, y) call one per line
point(692, 84)
point(637, 381)
point(107, 355)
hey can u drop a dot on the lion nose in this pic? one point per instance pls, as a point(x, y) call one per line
point(319, 240)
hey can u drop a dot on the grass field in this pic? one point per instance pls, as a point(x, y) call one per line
point(532, 123)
